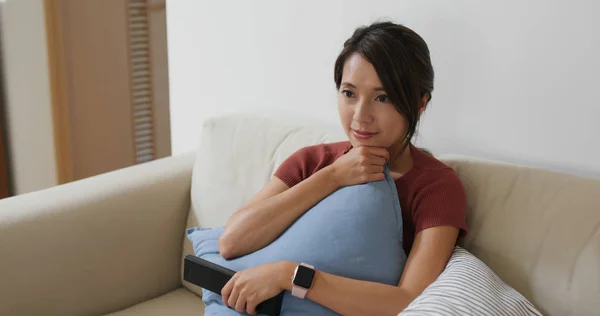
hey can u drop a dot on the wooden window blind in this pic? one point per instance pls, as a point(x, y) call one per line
point(141, 79)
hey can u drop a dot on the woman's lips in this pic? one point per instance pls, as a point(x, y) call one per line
point(362, 135)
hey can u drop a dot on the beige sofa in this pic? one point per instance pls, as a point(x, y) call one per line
point(114, 243)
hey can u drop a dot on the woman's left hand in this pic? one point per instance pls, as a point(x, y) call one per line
point(250, 287)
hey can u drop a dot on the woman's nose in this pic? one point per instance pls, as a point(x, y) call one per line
point(362, 112)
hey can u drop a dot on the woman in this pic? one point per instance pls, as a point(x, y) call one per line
point(384, 79)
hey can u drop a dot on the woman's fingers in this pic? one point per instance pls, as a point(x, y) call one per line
point(379, 152)
point(226, 291)
point(240, 304)
point(374, 169)
point(376, 160)
point(233, 298)
point(234, 292)
point(251, 304)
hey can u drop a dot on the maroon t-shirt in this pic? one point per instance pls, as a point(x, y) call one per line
point(431, 193)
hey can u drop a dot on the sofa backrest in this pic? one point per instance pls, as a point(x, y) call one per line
point(538, 230)
point(237, 157)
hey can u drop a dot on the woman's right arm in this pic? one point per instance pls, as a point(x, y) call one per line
point(272, 211)
point(276, 206)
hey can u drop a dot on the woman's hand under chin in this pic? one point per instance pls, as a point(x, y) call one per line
point(250, 287)
point(359, 165)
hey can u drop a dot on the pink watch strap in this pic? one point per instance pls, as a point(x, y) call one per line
point(299, 291)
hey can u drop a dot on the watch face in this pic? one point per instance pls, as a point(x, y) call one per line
point(304, 277)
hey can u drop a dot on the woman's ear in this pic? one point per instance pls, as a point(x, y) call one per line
point(423, 103)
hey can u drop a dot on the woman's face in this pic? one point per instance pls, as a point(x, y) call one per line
point(367, 115)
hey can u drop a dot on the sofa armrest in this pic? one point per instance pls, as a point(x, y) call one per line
point(96, 245)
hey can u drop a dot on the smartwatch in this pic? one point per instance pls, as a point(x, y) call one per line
point(302, 280)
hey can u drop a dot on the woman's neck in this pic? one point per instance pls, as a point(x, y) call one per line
point(401, 160)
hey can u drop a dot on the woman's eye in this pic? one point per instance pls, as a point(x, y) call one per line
point(383, 98)
point(348, 93)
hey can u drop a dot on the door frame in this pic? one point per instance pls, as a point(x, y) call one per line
point(58, 91)
point(5, 187)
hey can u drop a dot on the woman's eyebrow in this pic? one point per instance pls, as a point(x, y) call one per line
point(348, 84)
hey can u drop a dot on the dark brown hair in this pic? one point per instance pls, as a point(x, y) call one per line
point(401, 59)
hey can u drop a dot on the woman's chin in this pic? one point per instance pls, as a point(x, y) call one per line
point(371, 142)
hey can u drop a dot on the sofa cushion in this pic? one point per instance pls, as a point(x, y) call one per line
point(356, 232)
point(469, 287)
point(179, 302)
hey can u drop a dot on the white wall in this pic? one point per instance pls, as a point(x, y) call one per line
point(515, 80)
point(30, 138)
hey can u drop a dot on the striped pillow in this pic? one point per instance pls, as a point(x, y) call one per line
point(469, 287)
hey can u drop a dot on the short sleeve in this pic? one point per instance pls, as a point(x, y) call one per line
point(441, 202)
point(301, 165)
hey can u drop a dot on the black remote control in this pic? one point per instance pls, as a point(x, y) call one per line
point(213, 277)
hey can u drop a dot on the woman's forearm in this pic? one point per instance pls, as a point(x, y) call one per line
point(259, 224)
point(429, 255)
point(353, 297)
